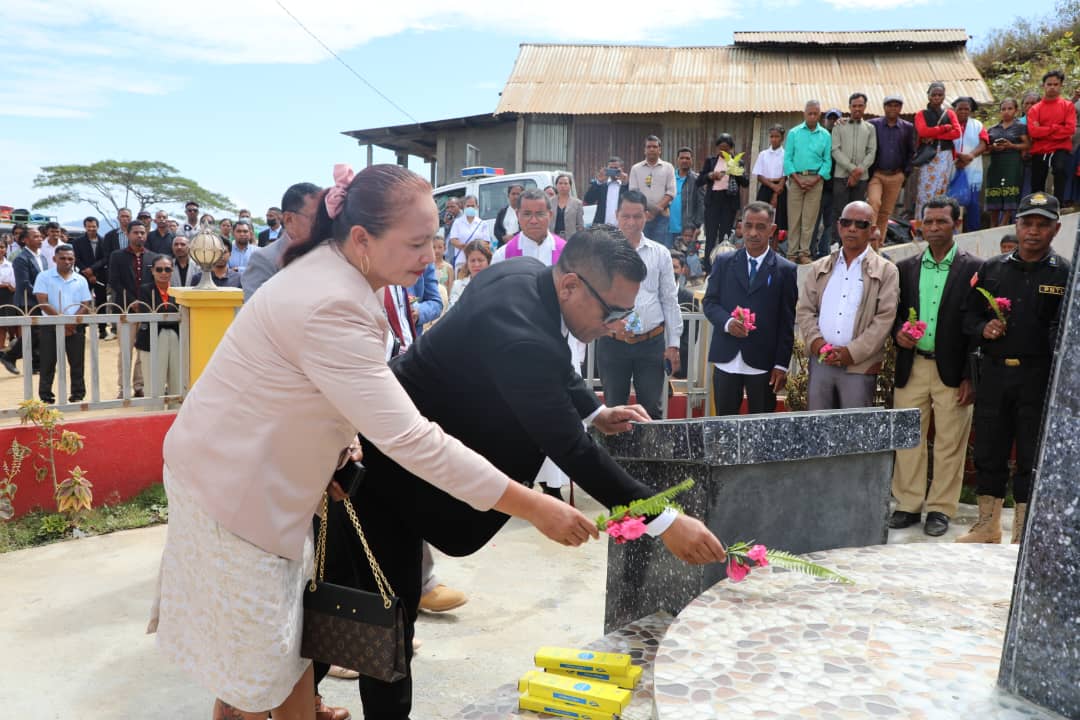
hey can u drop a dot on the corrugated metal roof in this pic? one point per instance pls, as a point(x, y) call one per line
point(859, 37)
point(613, 79)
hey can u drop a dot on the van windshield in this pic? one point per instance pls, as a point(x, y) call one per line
point(493, 195)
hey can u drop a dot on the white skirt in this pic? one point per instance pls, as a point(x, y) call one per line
point(227, 612)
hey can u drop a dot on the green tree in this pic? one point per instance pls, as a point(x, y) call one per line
point(136, 184)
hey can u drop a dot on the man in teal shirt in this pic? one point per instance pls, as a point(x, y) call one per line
point(932, 369)
point(807, 164)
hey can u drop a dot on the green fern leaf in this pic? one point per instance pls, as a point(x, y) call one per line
point(786, 560)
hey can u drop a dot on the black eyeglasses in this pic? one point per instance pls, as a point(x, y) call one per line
point(167, 269)
point(611, 314)
point(848, 222)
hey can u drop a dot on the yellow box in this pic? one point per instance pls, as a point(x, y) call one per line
point(558, 658)
point(628, 681)
point(554, 707)
point(585, 694)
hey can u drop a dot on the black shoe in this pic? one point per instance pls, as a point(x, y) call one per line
point(137, 393)
point(553, 492)
point(937, 524)
point(901, 519)
point(9, 365)
point(75, 399)
point(48, 399)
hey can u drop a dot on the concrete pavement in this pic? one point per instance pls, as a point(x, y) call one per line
point(72, 642)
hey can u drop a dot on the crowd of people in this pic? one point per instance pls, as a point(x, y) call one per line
point(368, 326)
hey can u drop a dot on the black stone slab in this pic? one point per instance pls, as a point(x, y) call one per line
point(801, 482)
point(1041, 659)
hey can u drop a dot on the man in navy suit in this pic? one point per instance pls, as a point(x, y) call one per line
point(759, 280)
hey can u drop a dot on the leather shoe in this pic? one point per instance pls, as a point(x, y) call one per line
point(442, 599)
point(937, 524)
point(10, 366)
point(901, 519)
point(325, 712)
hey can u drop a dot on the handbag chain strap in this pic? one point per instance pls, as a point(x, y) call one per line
point(385, 589)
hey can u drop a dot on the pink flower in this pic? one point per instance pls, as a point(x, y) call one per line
point(915, 329)
point(746, 317)
point(736, 571)
point(758, 554)
point(1004, 304)
point(615, 530)
point(633, 528)
point(974, 280)
point(824, 351)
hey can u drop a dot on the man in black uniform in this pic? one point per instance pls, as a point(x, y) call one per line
point(1015, 369)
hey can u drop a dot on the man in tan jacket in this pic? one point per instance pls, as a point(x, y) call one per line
point(845, 311)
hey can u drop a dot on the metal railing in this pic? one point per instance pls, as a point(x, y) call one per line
point(126, 324)
point(698, 383)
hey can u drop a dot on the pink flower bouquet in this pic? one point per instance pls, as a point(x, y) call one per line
point(744, 556)
point(746, 317)
point(914, 327)
point(824, 352)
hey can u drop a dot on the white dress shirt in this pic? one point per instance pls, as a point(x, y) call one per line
point(401, 304)
point(840, 301)
point(770, 163)
point(657, 300)
point(612, 205)
point(510, 222)
point(738, 366)
point(7, 273)
point(49, 251)
point(465, 232)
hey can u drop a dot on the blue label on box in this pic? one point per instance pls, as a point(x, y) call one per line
point(568, 666)
point(583, 687)
point(560, 711)
point(586, 656)
point(568, 698)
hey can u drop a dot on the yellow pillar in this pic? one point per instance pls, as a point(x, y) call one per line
point(208, 314)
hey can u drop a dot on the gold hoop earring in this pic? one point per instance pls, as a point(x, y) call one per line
point(365, 264)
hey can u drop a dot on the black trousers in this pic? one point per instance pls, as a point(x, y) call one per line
point(719, 221)
point(842, 194)
point(642, 363)
point(1008, 408)
point(728, 393)
point(398, 512)
point(1056, 164)
point(74, 350)
point(765, 194)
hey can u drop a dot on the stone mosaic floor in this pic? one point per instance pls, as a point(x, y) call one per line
point(639, 639)
point(917, 637)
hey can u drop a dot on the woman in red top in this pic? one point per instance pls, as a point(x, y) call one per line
point(935, 125)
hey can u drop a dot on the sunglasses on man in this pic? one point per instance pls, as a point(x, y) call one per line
point(611, 314)
point(860, 224)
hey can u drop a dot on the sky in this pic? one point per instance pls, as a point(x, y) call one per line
point(238, 97)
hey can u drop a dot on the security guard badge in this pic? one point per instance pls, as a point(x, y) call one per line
point(1052, 290)
point(1038, 199)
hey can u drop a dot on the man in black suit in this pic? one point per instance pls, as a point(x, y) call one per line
point(129, 269)
point(611, 183)
point(757, 279)
point(160, 240)
point(933, 371)
point(26, 267)
point(92, 263)
point(274, 229)
point(519, 402)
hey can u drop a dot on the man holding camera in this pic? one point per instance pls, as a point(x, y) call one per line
point(611, 183)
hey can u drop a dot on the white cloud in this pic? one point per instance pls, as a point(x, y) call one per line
point(259, 31)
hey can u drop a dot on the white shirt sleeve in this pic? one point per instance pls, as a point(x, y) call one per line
point(668, 293)
point(660, 523)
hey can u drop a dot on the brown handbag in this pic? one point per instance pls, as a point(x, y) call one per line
point(351, 628)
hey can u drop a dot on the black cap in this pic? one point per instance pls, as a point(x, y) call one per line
point(1039, 203)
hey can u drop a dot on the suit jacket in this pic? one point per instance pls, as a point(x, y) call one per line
point(26, 271)
point(512, 368)
point(122, 280)
point(499, 229)
point(262, 265)
point(149, 297)
point(951, 345)
point(192, 273)
point(112, 244)
point(713, 196)
point(263, 238)
point(87, 258)
point(597, 195)
point(302, 369)
point(573, 217)
point(771, 297)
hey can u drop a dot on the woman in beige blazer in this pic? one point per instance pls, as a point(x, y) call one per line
point(567, 212)
point(300, 371)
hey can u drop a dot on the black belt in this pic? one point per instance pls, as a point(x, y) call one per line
point(806, 172)
point(925, 354)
